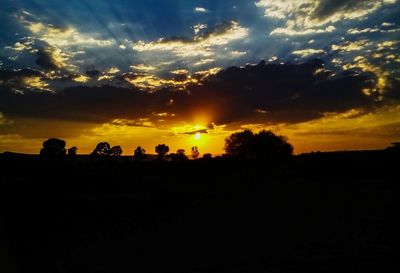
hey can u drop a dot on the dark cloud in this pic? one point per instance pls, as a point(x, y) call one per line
point(203, 34)
point(280, 93)
point(45, 59)
point(95, 104)
point(19, 80)
point(267, 93)
point(327, 8)
point(15, 75)
point(218, 29)
point(202, 131)
point(93, 73)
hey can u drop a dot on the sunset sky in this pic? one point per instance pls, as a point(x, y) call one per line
point(324, 73)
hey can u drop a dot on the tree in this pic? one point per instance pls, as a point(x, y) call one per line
point(162, 150)
point(207, 156)
point(116, 151)
point(102, 149)
point(139, 153)
point(238, 144)
point(264, 145)
point(53, 147)
point(178, 156)
point(72, 151)
point(195, 152)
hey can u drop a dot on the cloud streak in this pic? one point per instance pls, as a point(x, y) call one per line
point(200, 45)
point(305, 17)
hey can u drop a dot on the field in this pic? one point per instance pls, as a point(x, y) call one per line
point(314, 213)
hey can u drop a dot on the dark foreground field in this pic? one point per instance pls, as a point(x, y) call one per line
point(315, 213)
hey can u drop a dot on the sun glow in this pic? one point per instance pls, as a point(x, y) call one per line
point(197, 136)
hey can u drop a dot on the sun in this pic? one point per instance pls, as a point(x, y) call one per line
point(197, 136)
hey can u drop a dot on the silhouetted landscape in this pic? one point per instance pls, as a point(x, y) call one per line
point(241, 212)
point(201, 136)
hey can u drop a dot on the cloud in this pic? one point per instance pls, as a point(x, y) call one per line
point(204, 74)
point(20, 80)
point(4, 121)
point(9, 76)
point(141, 122)
point(236, 53)
point(308, 52)
point(371, 30)
point(198, 28)
point(365, 30)
point(35, 83)
point(377, 58)
point(26, 44)
point(381, 83)
point(309, 31)
point(108, 75)
point(93, 73)
point(152, 82)
point(64, 36)
point(180, 72)
point(333, 10)
point(388, 44)
point(253, 94)
point(56, 45)
point(199, 45)
point(200, 9)
point(204, 61)
point(352, 45)
point(113, 70)
point(303, 17)
point(81, 78)
point(143, 67)
point(193, 130)
point(105, 77)
point(201, 131)
point(386, 24)
point(52, 59)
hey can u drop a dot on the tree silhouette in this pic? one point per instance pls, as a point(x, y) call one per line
point(207, 156)
point(195, 152)
point(178, 156)
point(264, 145)
point(238, 144)
point(116, 151)
point(102, 149)
point(162, 150)
point(53, 147)
point(139, 153)
point(72, 151)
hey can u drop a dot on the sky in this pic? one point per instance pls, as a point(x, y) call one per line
point(323, 73)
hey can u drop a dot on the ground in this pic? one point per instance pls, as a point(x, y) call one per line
point(313, 213)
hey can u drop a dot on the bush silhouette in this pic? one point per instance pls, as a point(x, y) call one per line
point(53, 147)
point(116, 151)
point(161, 150)
point(263, 145)
point(72, 151)
point(102, 149)
point(139, 153)
point(178, 156)
point(195, 152)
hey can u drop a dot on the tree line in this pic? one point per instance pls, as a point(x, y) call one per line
point(246, 144)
